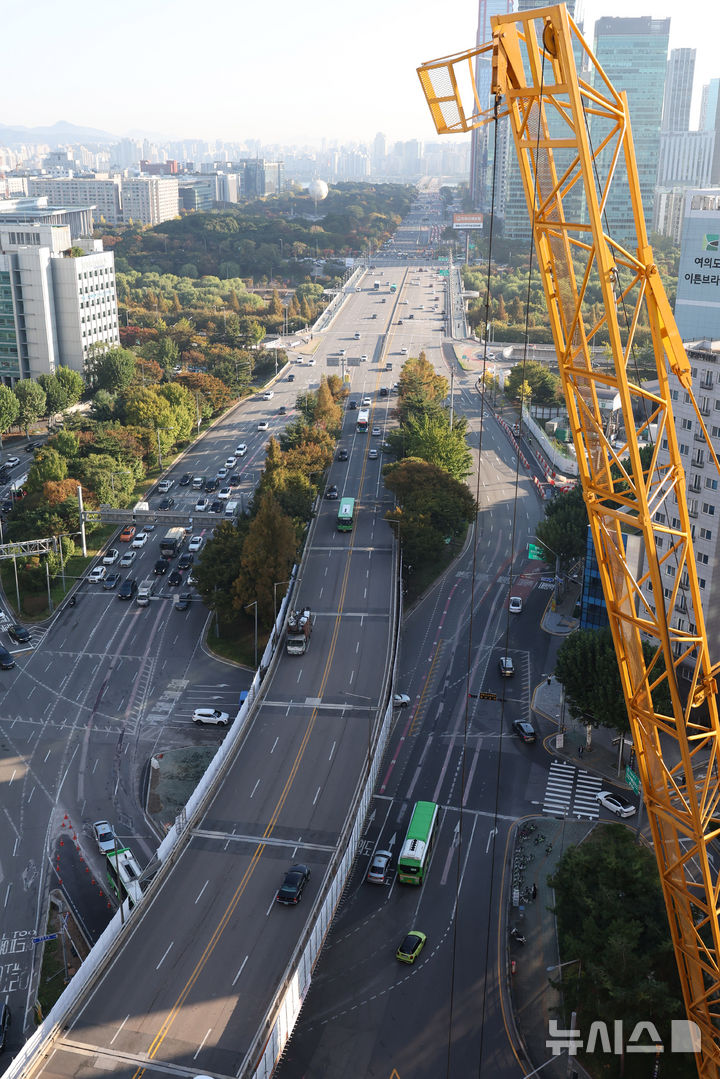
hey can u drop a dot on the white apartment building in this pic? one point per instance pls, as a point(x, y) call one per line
point(103, 194)
point(54, 305)
point(702, 485)
point(148, 200)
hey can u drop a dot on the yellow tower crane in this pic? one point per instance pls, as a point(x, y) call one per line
point(572, 136)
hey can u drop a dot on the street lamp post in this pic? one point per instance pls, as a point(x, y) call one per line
point(254, 604)
point(275, 588)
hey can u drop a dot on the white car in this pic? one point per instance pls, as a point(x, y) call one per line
point(311, 362)
point(140, 539)
point(111, 556)
point(195, 544)
point(515, 604)
point(376, 431)
point(104, 836)
point(201, 505)
point(263, 425)
point(366, 402)
point(224, 493)
point(127, 559)
point(400, 700)
point(97, 574)
point(211, 715)
point(616, 803)
point(372, 455)
point(403, 352)
point(241, 450)
point(12, 461)
point(363, 358)
point(230, 463)
point(222, 473)
point(268, 395)
point(164, 486)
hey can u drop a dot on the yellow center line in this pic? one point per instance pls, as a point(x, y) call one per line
point(229, 910)
point(426, 686)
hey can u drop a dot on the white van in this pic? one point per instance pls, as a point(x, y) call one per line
point(231, 509)
point(198, 483)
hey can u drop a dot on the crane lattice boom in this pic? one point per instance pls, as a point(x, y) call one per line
point(574, 144)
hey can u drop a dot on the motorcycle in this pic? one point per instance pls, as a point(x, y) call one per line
point(72, 601)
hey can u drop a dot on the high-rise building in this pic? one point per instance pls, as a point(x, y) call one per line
point(709, 104)
point(697, 303)
point(102, 194)
point(633, 54)
point(379, 154)
point(55, 304)
point(484, 139)
point(678, 90)
point(262, 178)
point(148, 200)
point(517, 222)
point(668, 212)
point(686, 157)
point(702, 495)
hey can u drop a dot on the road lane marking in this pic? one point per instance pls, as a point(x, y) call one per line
point(241, 970)
point(202, 890)
point(202, 1043)
point(257, 854)
point(119, 1028)
point(164, 956)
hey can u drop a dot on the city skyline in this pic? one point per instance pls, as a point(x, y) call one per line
point(297, 79)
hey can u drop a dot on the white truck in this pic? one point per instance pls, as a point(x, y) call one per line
point(144, 592)
point(297, 635)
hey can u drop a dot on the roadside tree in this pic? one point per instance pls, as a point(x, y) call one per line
point(31, 399)
point(9, 410)
point(268, 555)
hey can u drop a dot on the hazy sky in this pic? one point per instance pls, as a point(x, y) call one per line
point(277, 71)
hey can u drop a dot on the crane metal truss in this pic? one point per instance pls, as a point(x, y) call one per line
point(572, 136)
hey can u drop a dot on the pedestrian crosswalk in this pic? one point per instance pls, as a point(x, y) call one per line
point(570, 792)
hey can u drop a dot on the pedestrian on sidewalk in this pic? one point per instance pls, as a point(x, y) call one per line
point(580, 751)
point(534, 891)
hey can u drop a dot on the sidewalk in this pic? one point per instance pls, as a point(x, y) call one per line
point(539, 844)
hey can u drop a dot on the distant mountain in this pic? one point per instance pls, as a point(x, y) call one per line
point(55, 135)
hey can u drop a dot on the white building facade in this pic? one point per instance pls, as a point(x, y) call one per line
point(148, 200)
point(104, 195)
point(55, 304)
point(702, 485)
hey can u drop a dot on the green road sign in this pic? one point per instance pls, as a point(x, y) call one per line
point(536, 553)
point(443, 273)
point(632, 779)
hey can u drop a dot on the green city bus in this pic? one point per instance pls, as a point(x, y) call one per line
point(415, 853)
point(346, 515)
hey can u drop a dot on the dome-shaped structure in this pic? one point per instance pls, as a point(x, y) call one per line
point(318, 191)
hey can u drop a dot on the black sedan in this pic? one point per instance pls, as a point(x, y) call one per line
point(185, 561)
point(218, 506)
point(184, 480)
point(234, 480)
point(111, 581)
point(19, 633)
point(175, 578)
point(332, 492)
point(161, 567)
point(167, 503)
point(292, 887)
